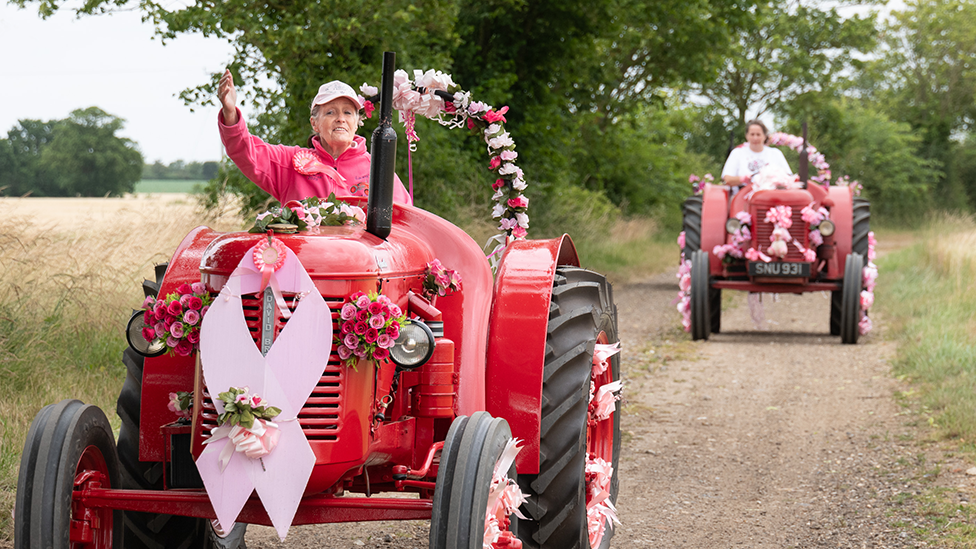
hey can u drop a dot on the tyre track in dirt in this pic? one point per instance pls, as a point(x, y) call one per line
point(774, 438)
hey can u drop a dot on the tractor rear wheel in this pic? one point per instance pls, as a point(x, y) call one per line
point(581, 314)
point(149, 530)
point(68, 442)
point(701, 315)
point(691, 213)
point(715, 309)
point(851, 299)
point(861, 226)
point(471, 450)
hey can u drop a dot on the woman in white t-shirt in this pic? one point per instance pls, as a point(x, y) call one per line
point(746, 161)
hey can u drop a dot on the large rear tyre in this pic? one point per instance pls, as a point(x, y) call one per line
point(861, 226)
point(691, 213)
point(701, 315)
point(149, 530)
point(68, 442)
point(471, 450)
point(851, 299)
point(581, 315)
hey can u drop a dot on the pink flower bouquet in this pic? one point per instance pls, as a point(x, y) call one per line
point(175, 320)
point(369, 325)
point(438, 280)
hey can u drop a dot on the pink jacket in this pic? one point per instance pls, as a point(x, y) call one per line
point(272, 167)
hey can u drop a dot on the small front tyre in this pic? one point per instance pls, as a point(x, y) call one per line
point(851, 299)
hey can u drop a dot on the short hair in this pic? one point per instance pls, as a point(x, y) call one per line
point(757, 122)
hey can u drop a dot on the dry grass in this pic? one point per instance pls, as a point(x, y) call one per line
point(70, 276)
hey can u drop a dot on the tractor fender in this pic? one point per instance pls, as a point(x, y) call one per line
point(715, 212)
point(842, 214)
point(517, 338)
point(165, 374)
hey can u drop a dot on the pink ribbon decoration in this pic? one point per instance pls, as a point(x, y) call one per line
point(307, 163)
point(504, 497)
point(268, 258)
point(599, 510)
point(602, 405)
point(601, 356)
point(255, 443)
point(286, 377)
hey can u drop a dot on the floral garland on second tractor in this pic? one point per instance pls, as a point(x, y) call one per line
point(433, 94)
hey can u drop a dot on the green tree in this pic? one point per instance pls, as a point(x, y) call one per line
point(87, 158)
point(22, 172)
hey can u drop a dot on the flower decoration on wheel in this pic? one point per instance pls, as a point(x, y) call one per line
point(434, 95)
point(175, 320)
point(369, 326)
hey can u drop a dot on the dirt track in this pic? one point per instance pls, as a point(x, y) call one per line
point(775, 438)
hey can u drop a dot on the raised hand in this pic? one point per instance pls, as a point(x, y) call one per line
point(227, 94)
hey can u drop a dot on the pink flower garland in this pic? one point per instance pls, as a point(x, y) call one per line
point(869, 276)
point(419, 97)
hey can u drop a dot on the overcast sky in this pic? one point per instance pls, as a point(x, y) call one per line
point(51, 67)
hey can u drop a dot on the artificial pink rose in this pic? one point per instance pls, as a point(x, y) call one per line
point(185, 299)
point(684, 284)
point(148, 333)
point(867, 299)
point(344, 352)
point(149, 302)
point(195, 303)
point(376, 322)
point(159, 309)
point(172, 342)
point(168, 321)
point(496, 116)
point(176, 329)
point(369, 108)
point(362, 301)
point(193, 336)
point(495, 162)
point(395, 311)
point(816, 238)
point(719, 251)
point(362, 316)
point(360, 328)
point(381, 354)
point(174, 404)
point(393, 330)
point(203, 311)
point(470, 124)
point(518, 202)
point(198, 288)
point(864, 326)
point(174, 308)
point(184, 289)
point(744, 218)
point(371, 335)
point(351, 341)
point(348, 311)
point(257, 401)
point(809, 255)
point(160, 328)
point(191, 317)
point(508, 156)
point(519, 232)
point(375, 308)
point(384, 341)
point(148, 318)
point(360, 351)
point(355, 297)
point(347, 327)
point(183, 348)
point(241, 398)
point(499, 183)
point(752, 254)
point(681, 240)
point(384, 300)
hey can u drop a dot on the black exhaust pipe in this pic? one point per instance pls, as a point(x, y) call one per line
point(804, 170)
point(379, 209)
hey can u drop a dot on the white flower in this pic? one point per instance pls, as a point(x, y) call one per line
point(492, 130)
point(435, 80)
point(523, 220)
point(500, 142)
point(518, 184)
point(477, 107)
point(368, 91)
point(507, 169)
point(498, 195)
point(498, 210)
point(462, 99)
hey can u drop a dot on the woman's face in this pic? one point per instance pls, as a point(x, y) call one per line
point(755, 135)
point(336, 123)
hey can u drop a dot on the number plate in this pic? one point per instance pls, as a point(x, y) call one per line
point(779, 268)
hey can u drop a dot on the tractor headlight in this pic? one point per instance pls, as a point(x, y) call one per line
point(732, 225)
point(133, 334)
point(826, 227)
point(415, 345)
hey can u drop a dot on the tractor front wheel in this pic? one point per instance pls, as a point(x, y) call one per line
point(461, 506)
point(701, 313)
point(851, 299)
point(581, 314)
point(69, 447)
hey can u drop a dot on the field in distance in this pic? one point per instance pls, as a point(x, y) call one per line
point(169, 186)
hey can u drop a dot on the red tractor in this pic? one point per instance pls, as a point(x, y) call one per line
point(801, 236)
point(505, 356)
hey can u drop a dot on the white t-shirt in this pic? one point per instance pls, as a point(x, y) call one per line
point(743, 161)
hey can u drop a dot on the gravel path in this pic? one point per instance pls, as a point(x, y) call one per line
point(780, 437)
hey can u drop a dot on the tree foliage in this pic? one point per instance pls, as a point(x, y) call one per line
point(77, 156)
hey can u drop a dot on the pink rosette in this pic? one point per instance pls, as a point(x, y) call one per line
point(268, 257)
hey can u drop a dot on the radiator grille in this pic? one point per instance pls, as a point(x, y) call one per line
point(764, 230)
point(319, 417)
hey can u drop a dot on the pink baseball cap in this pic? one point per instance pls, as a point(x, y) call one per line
point(334, 90)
